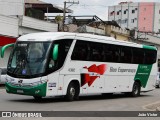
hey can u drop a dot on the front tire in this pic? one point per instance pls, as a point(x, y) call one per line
point(72, 92)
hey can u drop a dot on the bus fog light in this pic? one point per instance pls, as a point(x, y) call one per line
point(37, 91)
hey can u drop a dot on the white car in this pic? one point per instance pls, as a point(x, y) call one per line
point(3, 72)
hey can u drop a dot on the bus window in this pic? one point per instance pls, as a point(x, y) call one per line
point(138, 56)
point(96, 52)
point(126, 55)
point(63, 48)
point(115, 53)
point(80, 51)
point(150, 56)
point(108, 57)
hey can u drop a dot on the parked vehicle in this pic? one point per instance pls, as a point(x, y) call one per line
point(3, 72)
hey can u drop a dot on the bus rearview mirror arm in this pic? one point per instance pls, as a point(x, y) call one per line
point(4, 48)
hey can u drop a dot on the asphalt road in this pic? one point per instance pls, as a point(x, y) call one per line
point(119, 102)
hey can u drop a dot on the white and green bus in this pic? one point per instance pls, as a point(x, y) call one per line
point(73, 64)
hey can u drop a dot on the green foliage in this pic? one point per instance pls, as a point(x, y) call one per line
point(58, 18)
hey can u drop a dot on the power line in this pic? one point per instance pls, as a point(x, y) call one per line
point(93, 10)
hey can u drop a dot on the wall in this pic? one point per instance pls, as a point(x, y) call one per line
point(157, 18)
point(111, 9)
point(9, 26)
point(4, 61)
point(39, 24)
point(133, 16)
point(11, 7)
point(146, 14)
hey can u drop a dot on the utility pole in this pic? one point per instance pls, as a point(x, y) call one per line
point(65, 7)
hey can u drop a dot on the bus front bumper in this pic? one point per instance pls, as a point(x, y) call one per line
point(38, 90)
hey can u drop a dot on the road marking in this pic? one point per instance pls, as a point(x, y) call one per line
point(152, 106)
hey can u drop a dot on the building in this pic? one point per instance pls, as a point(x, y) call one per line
point(37, 9)
point(106, 28)
point(114, 30)
point(21, 17)
point(143, 16)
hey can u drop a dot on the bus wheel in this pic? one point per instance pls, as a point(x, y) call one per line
point(72, 92)
point(37, 98)
point(158, 86)
point(136, 89)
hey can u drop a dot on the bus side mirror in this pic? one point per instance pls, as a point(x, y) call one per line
point(55, 52)
point(4, 48)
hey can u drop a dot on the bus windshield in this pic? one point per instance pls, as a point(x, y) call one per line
point(28, 58)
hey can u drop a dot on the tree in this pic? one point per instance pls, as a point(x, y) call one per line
point(59, 21)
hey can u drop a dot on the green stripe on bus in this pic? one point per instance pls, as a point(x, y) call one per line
point(143, 74)
point(149, 47)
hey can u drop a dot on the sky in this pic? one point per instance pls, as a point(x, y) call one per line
point(92, 7)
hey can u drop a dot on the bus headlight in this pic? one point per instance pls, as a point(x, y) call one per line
point(10, 80)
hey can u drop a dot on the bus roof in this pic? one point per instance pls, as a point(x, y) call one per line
point(51, 36)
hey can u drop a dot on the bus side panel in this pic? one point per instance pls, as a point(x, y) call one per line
point(60, 85)
point(118, 84)
point(52, 85)
point(119, 77)
point(90, 82)
point(97, 86)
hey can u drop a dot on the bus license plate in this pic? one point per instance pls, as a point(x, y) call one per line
point(20, 91)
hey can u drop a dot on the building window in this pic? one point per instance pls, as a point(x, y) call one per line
point(124, 21)
point(133, 11)
point(158, 30)
point(125, 12)
point(132, 20)
point(136, 8)
point(112, 13)
point(144, 18)
point(118, 13)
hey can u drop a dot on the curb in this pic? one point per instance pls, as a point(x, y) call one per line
point(158, 109)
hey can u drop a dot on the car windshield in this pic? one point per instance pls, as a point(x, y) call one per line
point(28, 58)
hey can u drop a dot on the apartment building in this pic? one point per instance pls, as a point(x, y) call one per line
point(142, 16)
